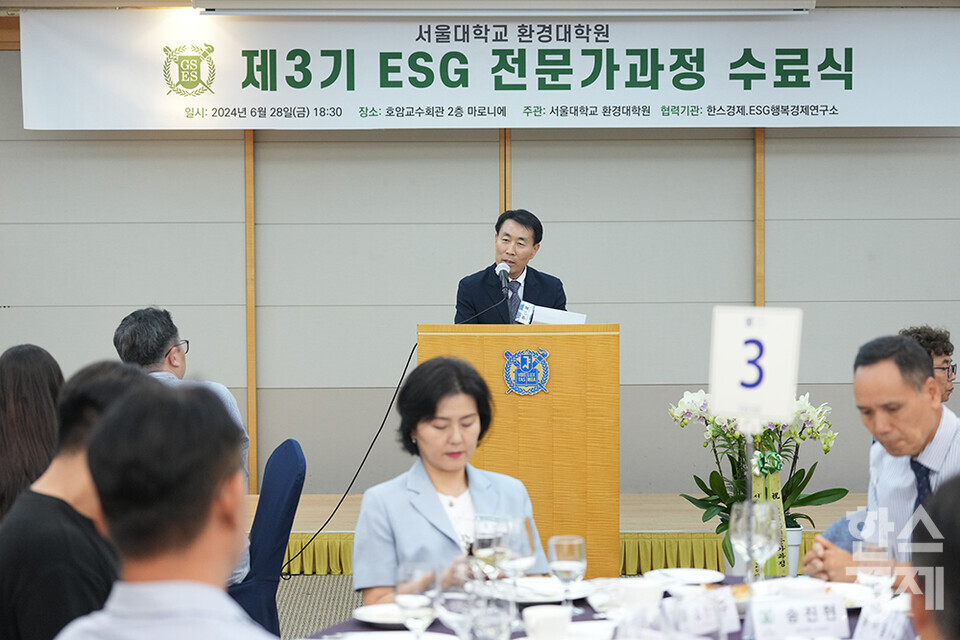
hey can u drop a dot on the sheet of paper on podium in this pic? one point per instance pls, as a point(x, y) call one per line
point(532, 314)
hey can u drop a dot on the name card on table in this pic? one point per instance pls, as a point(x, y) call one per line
point(705, 612)
point(772, 618)
point(878, 622)
point(754, 359)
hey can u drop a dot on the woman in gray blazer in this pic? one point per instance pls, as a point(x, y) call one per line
point(426, 514)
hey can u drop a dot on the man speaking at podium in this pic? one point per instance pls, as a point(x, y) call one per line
point(480, 296)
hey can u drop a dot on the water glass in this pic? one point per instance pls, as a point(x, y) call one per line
point(519, 557)
point(455, 601)
point(491, 619)
point(568, 563)
point(755, 532)
point(416, 596)
point(488, 551)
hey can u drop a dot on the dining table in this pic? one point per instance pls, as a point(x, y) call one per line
point(353, 626)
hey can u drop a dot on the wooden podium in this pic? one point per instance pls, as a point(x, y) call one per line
point(558, 428)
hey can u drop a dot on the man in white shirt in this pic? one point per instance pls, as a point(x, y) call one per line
point(917, 448)
point(167, 467)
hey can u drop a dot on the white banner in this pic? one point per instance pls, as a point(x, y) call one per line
point(177, 69)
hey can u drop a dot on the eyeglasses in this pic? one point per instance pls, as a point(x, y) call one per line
point(951, 369)
point(186, 347)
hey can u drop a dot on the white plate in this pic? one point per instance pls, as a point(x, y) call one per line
point(854, 596)
point(685, 576)
point(535, 590)
point(384, 616)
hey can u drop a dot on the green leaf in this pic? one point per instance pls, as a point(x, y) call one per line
point(718, 486)
point(803, 484)
point(711, 512)
point(791, 490)
point(821, 497)
point(728, 550)
point(801, 516)
point(703, 485)
point(698, 502)
point(723, 526)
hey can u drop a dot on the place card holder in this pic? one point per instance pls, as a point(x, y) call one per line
point(878, 622)
point(770, 618)
point(702, 613)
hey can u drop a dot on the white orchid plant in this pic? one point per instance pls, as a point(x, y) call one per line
point(776, 446)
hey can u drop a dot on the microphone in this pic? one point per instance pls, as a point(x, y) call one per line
point(503, 270)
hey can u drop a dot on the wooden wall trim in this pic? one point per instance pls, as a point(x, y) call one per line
point(504, 170)
point(759, 217)
point(10, 34)
point(251, 303)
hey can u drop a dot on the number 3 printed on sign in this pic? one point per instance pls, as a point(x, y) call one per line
point(756, 363)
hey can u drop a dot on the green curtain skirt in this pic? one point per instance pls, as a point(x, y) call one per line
point(640, 551)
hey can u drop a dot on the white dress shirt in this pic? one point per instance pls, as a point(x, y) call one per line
point(893, 486)
point(163, 610)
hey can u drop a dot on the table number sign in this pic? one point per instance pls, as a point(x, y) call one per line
point(754, 358)
point(774, 618)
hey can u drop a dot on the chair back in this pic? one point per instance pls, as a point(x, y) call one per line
point(280, 492)
point(279, 496)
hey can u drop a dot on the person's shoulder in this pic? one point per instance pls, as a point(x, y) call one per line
point(476, 278)
point(86, 627)
point(37, 520)
point(499, 481)
point(545, 277)
point(387, 488)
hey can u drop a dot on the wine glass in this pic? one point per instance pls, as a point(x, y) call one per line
point(766, 538)
point(488, 548)
point(416, 596)
point(755, 532)
point(519, 556)
point(568, 563)
point(455, 601)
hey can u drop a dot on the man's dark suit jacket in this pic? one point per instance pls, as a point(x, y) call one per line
point(482, 290)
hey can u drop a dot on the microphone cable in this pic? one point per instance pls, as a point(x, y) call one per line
point(284, 574)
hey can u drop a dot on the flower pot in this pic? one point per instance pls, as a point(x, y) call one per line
point(794, 539)
point(739, 567)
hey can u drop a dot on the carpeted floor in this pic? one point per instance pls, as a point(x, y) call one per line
point(310, 603)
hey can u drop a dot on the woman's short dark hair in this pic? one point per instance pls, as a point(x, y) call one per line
point(30, 380)
point(430, 383)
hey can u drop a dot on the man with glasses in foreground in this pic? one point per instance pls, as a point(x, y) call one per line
point(148, 338)
point(938, 345)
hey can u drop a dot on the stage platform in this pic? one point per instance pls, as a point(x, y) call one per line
point(656, 531)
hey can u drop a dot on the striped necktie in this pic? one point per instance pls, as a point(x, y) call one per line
point(923, 482)
point(514, 302)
